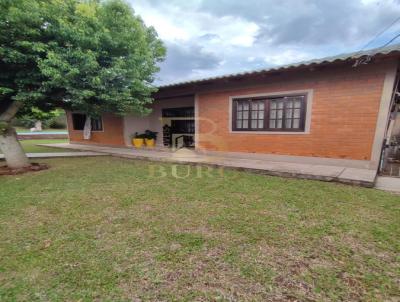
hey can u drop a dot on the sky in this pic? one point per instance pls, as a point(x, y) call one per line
point(206, 38)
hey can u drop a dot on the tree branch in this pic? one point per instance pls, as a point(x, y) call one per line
point(10, 112)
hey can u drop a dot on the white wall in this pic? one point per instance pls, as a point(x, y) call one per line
point(132, 124)
point(154, 120)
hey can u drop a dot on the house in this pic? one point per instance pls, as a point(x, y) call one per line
point(327, 111)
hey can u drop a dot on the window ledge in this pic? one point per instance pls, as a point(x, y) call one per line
point(90, 130)
point(270, 132)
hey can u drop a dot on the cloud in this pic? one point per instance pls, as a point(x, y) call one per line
point(208, 37)
point(310, 22)
point(185, 61)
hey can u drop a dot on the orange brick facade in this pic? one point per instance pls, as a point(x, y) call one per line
point(344, 113)
point(112, 133)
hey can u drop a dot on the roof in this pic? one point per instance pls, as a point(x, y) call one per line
point(327, 60)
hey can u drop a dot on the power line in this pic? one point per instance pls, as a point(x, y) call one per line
point(366, 59)
point(381, 32)
point(394, 38)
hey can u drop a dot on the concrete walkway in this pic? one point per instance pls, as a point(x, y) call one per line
point(387, 183)
point(356, 176)
point(61, 154)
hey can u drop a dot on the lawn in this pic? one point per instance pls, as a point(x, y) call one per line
point(26, 130)
point(120, 230)
point(30, 145)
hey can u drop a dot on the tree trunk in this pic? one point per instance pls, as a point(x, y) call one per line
point(12, 149)
point(9, 144)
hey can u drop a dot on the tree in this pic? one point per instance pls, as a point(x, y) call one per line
point(87, 55)
point(39, 118)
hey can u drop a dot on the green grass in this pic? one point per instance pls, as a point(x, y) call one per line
point(26, 130)
point(109, 229)
point(30, 146)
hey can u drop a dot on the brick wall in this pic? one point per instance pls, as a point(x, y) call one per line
point(112, 133)
point(344, 113)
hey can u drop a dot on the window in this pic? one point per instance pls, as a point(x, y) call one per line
point(286, 113)
point(97, 124)
point(79, 119)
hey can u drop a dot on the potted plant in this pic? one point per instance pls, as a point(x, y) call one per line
point(138, 140)
point(150, 138)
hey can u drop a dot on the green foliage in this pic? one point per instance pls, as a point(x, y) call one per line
point(86, 55)
point(34, 114)
point(150, 134)
point(137, 135)
point(147, 134)
point(24, 121)
point(58, 122)
point(40, 115)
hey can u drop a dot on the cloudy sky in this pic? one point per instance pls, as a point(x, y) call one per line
point(213, 37)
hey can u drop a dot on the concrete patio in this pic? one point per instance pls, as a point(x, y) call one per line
point(386, 183)
point(356, 176)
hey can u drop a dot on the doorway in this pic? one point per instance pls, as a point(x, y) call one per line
point(178, 127)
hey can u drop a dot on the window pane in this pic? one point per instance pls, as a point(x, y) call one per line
point(272, 124)
point(97, 124)
point(283, 112)
point(78, 121)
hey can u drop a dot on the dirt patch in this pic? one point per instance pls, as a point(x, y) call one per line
point(4, 170)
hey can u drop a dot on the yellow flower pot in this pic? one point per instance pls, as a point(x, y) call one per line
point(138, 142)
point(150, 142)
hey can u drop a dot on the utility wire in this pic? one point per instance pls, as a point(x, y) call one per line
point(394, 38)
point(381, 32)
point(366, 59)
